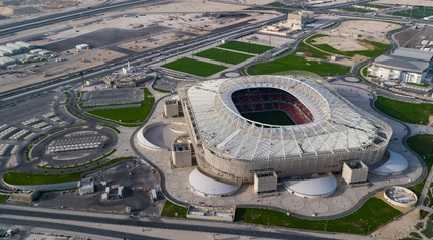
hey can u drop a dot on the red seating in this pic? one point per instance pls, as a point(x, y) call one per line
point(262, 99)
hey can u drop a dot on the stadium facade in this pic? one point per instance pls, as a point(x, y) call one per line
point(239, 126)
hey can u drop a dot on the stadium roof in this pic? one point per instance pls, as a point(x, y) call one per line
point(207, 186)
point(337, 125)
point(312, 188)
point(396, 164)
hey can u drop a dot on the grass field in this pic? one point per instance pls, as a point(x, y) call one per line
point(311, 52)
point(224, 56)
point(415, 12)
point(194, 67)
point(405, 111)
point(3, 199)
point(378, 48)
point(373, 214)
point(246, 47)
point(22, 178)
point(270, 117)
point(293, 62)
point(127, 115)
point(172, 210)
point(423, 145)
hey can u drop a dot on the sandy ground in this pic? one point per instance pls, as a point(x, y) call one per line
point(74, 62)
point(205, 6)
point(399, 228)
point(154, 41)
point(346, 36)
point(407, 2)
point(48, 7)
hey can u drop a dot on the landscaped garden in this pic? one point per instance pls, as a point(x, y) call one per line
point(373, 214)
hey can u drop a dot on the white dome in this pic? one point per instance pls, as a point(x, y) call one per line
point(312, 188)
point(396, 164)
point(209, 187)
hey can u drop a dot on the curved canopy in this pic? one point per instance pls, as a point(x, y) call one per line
point(208, 186)
point(396, 164)
point(312, 188)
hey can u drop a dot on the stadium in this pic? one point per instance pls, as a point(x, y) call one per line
point(294, 127)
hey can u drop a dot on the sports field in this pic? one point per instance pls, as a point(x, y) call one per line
point(127, 115)
point(275, 117)
point(246, 47)
point(224, 56)
point(294, 62)
point(417, 113)
point(194, 67)
point(373, 214)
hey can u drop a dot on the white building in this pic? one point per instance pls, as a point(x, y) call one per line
point(403, 65)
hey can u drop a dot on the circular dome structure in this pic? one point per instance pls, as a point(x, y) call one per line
point(209, 187)
point(313, 188)
point(396, 164)
point(400, 196)
point(292, 126)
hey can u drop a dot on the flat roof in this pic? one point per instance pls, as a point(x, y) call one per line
point(413, 53)
point(402, 63)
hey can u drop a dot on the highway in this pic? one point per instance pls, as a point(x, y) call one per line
point(156, 223)
point(15, 27)
point(147, 58)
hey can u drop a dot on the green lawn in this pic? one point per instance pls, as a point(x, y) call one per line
point(311, 52)
point(405, 111)
point(127, 115)
point(293, 62)
point(3, 198)
point(373, 214)
point(270, 117)
point(172, 210)
point(356, 9)
point(22, 178)
point(423, 145)
point(428, 231)
point(246, 47)
point(224, 56)
point(194, 67)
point(378, 48)
point(416, 12)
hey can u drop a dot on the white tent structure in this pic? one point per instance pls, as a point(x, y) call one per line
point(209, 187)
point(323, 186)
point(395, 165)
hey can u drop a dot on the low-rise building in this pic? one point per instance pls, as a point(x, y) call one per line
point(182, 154)
point(172, 108)
point(354, 172)
point(265, 181)
point(86, 186)
point(403, 65)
